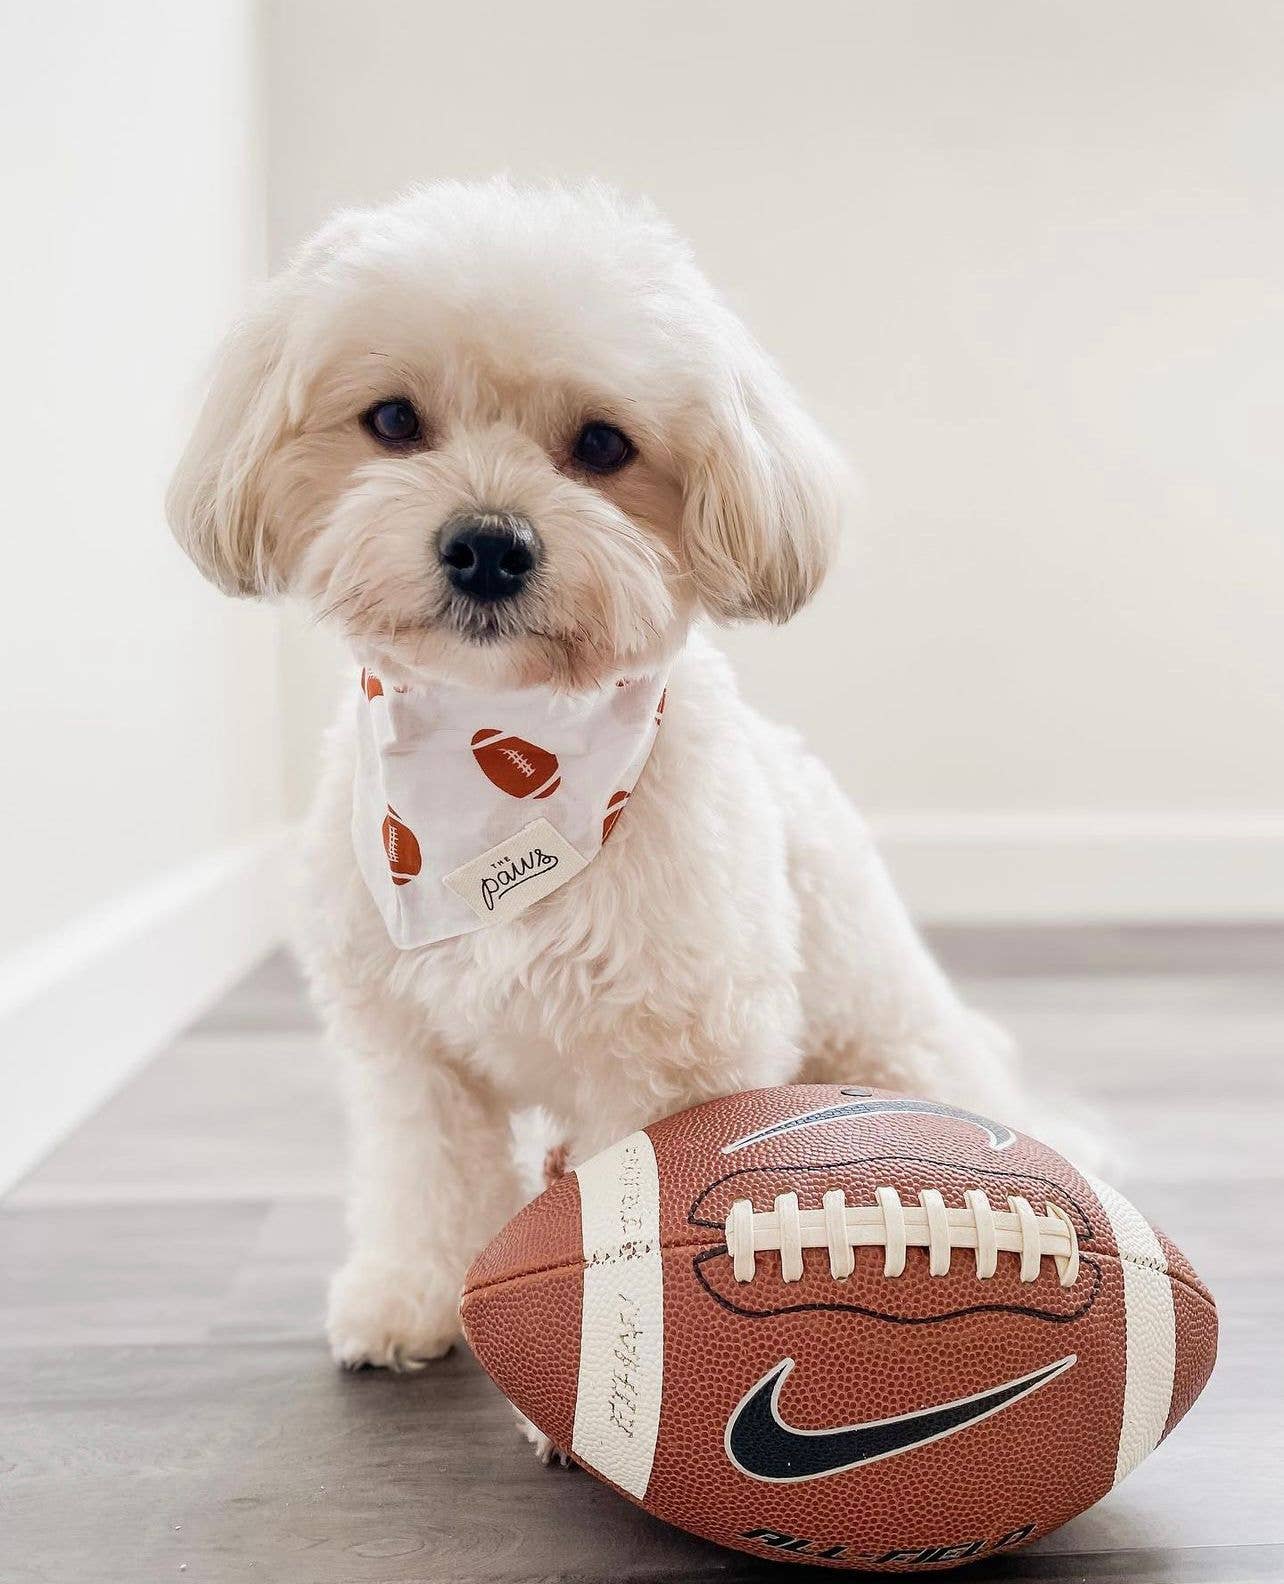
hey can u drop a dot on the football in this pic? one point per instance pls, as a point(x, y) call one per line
point(613, 811)
point(516, 766)
point(845, 1327)
point(399, 842)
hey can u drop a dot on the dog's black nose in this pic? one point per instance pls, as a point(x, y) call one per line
point(489, 556)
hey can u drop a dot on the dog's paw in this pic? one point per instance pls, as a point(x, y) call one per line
point(390, 1315)
point(545, 1451)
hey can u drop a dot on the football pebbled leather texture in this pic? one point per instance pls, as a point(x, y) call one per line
point(781, 1321)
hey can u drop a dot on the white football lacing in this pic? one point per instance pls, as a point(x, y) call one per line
point(516, 757)
point(894, 1227)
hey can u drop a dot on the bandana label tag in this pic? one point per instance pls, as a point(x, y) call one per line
point(504, 881)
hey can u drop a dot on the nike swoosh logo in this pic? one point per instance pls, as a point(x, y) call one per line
point(998, 1136)
point(762, 1445)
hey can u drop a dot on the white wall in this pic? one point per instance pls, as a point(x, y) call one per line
point(1025, 262)
point(138, 710)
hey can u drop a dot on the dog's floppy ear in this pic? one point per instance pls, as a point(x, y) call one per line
point(764, 498)
point(216, 503)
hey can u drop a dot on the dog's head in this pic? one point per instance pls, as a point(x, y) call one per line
point(510, 435)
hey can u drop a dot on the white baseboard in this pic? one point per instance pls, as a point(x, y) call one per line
point(1066, 867)
point(80, 1010)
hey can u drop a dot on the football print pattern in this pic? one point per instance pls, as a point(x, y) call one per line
point(399, 842)
point(516, 766)
point(613, 811)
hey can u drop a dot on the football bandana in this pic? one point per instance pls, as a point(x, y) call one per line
point(469, 805)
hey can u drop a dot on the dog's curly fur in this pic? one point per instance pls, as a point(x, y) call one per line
point(738, 930)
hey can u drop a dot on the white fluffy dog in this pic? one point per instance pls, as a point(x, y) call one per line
point(554, 358)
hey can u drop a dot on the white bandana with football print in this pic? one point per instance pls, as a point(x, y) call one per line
point(470, 805)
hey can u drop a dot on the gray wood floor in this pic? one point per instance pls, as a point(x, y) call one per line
point(167, 1409)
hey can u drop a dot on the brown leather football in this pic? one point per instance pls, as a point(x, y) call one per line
point(836, 1325)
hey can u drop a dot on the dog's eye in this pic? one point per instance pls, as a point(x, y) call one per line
point(395, 423)
point(602, 448)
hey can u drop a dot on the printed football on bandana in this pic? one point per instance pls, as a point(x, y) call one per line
point(516, 766)
point(404, 858)
point(613, 811)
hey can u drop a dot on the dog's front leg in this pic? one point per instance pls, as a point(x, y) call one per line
point(432, 1180)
